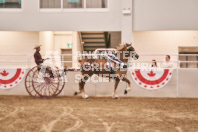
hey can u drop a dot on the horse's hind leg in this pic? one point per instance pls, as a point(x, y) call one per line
point(82, 84)
point(129, 85)
point(117, 80)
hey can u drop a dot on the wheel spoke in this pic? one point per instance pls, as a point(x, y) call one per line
point(31, 81)
point(41, 88)
point(45, 90)
point(31, 90)
point(49, 91)
point(52, 88)
point(37, 86)
point(29, 86)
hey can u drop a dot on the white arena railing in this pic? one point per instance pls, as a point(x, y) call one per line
point(147, 58)
point(23, 60)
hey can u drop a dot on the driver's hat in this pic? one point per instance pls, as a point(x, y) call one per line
point(37, 46)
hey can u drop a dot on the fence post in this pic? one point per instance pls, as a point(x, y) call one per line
point(178, 75)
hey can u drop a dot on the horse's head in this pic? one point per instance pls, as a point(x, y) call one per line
point(128, 51)
point(132, 51)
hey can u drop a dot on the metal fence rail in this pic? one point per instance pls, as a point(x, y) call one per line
point(28, 61)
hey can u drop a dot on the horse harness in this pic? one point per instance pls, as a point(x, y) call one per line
point(111, 58)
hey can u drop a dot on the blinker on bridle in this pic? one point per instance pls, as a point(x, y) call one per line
point(128, 48)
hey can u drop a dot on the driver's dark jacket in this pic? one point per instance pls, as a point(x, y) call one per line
point(37, 58)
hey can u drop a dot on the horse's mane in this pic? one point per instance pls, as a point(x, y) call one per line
point(120, 47)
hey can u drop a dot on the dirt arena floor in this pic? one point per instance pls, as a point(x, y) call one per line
point(65, 114)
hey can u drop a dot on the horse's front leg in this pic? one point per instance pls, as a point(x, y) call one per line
point(115, 96)
point(129, 85)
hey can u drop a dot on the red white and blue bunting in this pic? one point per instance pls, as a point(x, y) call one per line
point(10, 77)
point(151, 79)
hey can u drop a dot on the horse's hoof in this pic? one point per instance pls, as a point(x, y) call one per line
point(75, 93)
point(116, 98)
point(85, 96)
point(125, 91)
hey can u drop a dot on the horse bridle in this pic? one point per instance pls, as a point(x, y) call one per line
point(130, 47)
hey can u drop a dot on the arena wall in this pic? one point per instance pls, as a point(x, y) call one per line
point(145, 42)
point(165, 15)
point(18, 42)
point(147, 15)
point(182, 84)
point(30, 18)
point(157, 43)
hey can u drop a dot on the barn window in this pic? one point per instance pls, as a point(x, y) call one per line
point(50, 4)
point(10, 4)
point(96, 3)
point(73, 4)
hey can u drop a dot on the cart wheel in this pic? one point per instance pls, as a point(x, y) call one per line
point(45, 84)
point(28, 83)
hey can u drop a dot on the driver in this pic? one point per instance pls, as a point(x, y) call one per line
point(37, 56)
point(39, 60)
